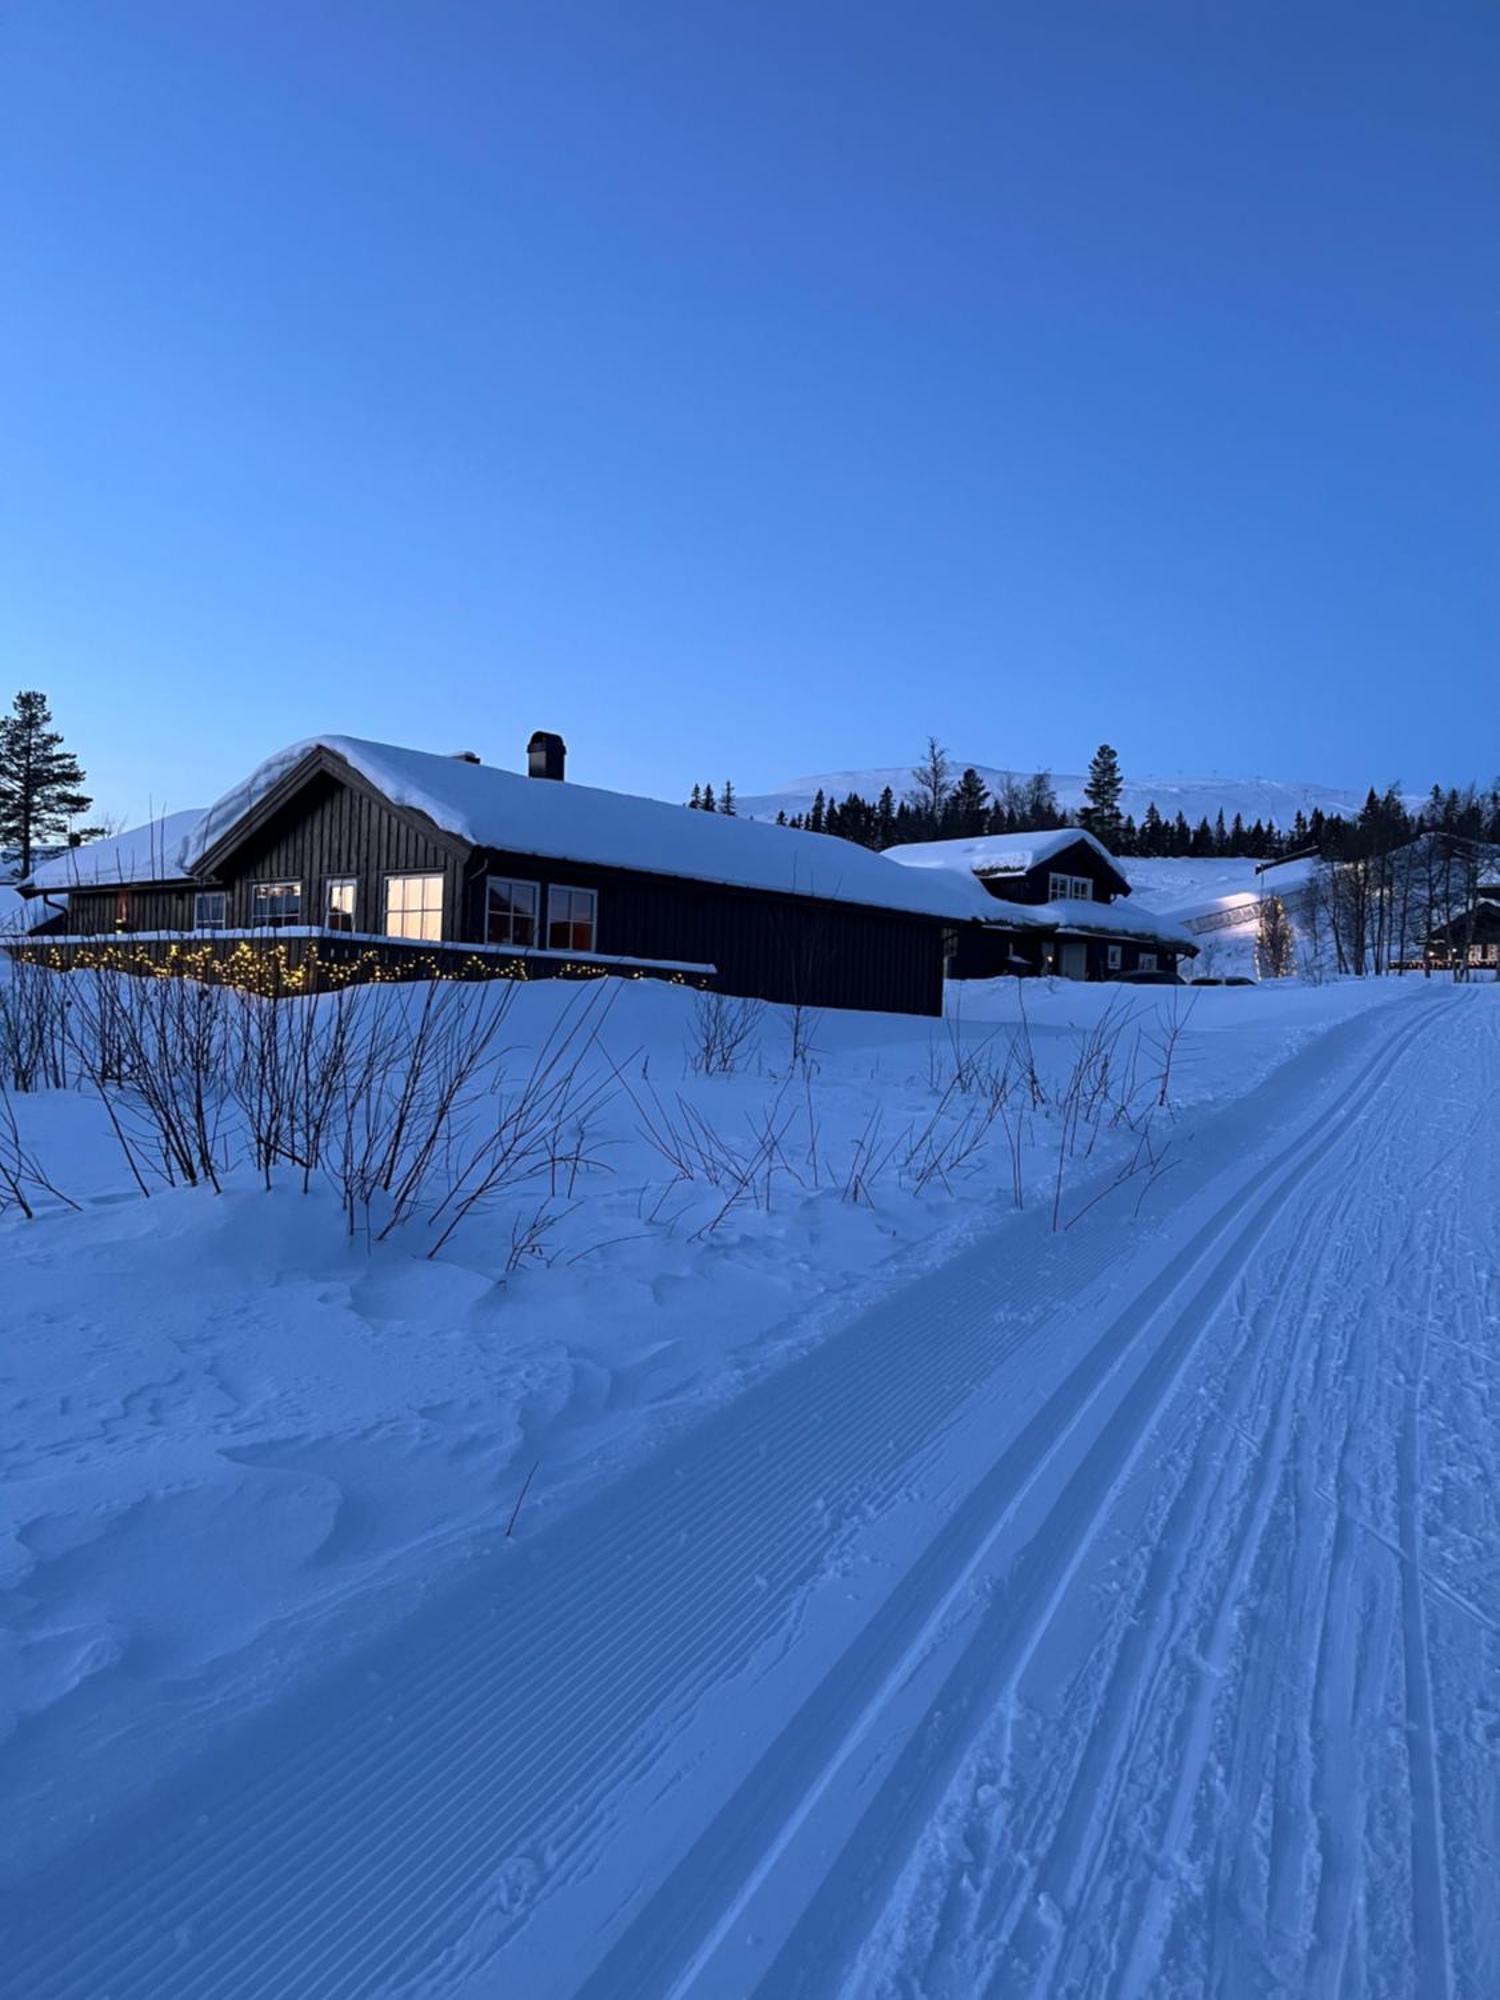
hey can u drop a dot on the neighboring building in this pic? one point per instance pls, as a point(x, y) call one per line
point(406, 861)
point(1061, 914)
point(1473, 936)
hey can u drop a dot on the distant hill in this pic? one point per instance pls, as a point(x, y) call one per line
point(1277, 799)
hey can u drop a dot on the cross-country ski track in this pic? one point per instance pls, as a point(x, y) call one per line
point(1114, 1611)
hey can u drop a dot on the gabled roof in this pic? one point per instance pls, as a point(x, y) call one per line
point(149, 853)
point(485, 807)
point(988, 854)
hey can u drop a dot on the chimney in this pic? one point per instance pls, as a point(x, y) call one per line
point(467, 757)
point(545, 755)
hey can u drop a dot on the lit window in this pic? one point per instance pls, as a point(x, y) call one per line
point(338, 904)
point(571, 919)
point(414, 906)
point(210, 910)
point(510, 912)
point(274, 903)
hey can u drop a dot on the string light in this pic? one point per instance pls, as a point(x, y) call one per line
point(269, 970)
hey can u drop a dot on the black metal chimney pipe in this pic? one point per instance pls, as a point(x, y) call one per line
point(546, 755)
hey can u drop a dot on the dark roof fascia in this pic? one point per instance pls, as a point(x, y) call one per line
point(318, 762)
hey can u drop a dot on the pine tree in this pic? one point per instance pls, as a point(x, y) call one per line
point(1101, 816)
point(816, 819)
point(39, 780)
point(695, 803)
point(710, 803)
point(726, 798)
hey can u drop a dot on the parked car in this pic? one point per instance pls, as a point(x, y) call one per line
point(1151, 979)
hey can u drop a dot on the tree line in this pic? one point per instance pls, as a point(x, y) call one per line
point(946, 803)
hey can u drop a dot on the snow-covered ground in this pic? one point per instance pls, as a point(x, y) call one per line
point(900, 1588)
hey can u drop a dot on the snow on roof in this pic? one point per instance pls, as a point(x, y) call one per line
point(999, 853)
point(485, 806)
point(1117, 919)
point(149, 853)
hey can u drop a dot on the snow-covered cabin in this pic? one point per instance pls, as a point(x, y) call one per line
point(406, 860)
point(1061, 892)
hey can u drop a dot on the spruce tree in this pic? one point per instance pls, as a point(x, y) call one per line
point(710, 803)
point(40, 781)
point(967, 803)
point(726, 798)
point(885, 819)
point(695, 803)
point(1101, 816)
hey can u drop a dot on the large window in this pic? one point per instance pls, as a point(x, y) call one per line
point(210, 910)
point(274, 903)
point(339, 892)
point(571, 919)
point(1069, 889)
point(510, 912)
point(414, 906)
point(1146, 962)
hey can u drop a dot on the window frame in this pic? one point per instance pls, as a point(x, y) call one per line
point(555, 889)
point(415, 875)
point(202, 896)
point(261, 922)
point(1114, 957)
point(1065, 888)
point(514, 882)
point(330, 883)
point(1147, 962)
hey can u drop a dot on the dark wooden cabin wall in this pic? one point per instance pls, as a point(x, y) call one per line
point(1079, 859)
point(331, 829)
point(93, 912)
point(764, 946)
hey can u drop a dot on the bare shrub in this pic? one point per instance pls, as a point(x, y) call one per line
point(723, 1033)
point(155, 1052)
point(33, 1026)
point(22, 1179)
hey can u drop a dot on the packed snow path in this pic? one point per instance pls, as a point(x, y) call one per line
point(1112, 1613)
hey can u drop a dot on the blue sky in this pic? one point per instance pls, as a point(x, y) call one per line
point(752, 389)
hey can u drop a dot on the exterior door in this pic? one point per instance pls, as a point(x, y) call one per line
point(1074, 960)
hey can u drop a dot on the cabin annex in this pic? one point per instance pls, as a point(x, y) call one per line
point(411, 862)
point(1061, 912)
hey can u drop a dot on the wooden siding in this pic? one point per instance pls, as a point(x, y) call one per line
point(764, 945)
point(153, 907)
point(329, 830)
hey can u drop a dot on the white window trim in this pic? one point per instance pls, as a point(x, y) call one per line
point(284, 883)
point(573, 889)
point(200, 897)
point(1147, 962)
point(332, 882)
point(414, 875)
point(1063, 888)
point(1114, 957)
point(516, 882)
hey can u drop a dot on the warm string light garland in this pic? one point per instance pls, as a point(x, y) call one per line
point(269, 971)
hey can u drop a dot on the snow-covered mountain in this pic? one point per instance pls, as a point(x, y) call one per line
point(1276, 799)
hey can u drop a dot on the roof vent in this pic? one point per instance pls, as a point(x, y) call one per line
point(546, 755)
point(467, 757)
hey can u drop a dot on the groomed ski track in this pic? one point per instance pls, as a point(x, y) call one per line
point(1115, 1612)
